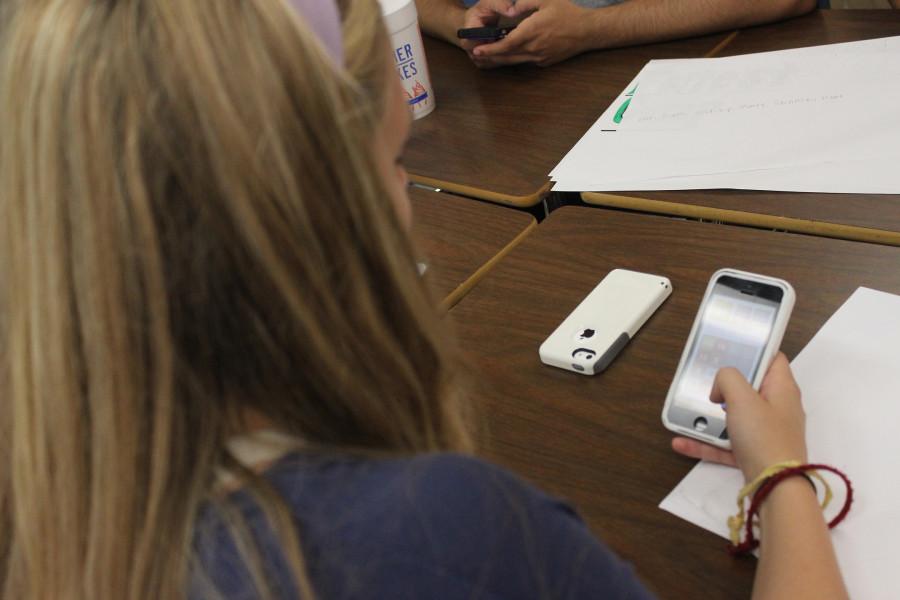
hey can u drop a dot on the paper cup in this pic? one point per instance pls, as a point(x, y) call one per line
point(409, 54)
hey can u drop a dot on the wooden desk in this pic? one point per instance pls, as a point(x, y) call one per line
point(462, 239)
point(598, 441)
point(496, 134)
point(865, 217)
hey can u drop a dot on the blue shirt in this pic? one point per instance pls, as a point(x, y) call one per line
point(438, 526)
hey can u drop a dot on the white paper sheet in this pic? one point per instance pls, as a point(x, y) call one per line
point(747, 121)
point(687, 92)
point(866, 176)
point(850, 377)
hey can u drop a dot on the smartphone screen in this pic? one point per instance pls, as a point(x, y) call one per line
point(734, 329)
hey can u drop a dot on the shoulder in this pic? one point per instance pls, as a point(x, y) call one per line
point(446, 495)
point(455, 520)
point(453, 485)
point(440, 522)
point(439, 505)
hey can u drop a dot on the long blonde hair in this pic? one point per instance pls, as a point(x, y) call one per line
point(192, 227)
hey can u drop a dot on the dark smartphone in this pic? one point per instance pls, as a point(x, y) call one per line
point(484, 34)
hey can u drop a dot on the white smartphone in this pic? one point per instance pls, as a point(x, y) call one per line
point(595, 332)
point(740, 324)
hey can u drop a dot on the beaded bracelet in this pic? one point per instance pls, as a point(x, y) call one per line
point(763, 485)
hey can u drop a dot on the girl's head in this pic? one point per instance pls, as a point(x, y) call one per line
point(203, 219)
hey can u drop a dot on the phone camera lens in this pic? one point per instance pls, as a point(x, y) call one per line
point(587, 333)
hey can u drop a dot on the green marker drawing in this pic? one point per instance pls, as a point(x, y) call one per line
point(621, 112)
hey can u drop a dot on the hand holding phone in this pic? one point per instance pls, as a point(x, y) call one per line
point(483, 34)
point(766, 427)
point(740, 324)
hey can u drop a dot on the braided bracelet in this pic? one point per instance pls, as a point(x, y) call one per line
point(763, 485)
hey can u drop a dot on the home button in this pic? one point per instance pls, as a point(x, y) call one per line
point(700, 424)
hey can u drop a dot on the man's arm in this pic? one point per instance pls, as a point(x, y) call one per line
point(558, 29)
point(642, 21)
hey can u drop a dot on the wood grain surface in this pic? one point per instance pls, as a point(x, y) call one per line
point(867, 217)
point(462, 238)
point(497, 134)
point(598, 441)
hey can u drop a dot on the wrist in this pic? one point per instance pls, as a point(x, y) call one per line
point(793, 492)
point(442, 21)
point(455, 20)
point(791, 499)
point(754, 467)
point(777, 502)
point(606, 26)
point(595, 29)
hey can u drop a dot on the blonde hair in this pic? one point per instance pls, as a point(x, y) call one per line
point(192, 227)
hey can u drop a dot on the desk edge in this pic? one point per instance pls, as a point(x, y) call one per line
point(736, 217)
point(496, 197)
point(466, 286)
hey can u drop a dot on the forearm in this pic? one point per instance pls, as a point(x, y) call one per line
point(797, 559)
point(643, 21)
point(441, 18)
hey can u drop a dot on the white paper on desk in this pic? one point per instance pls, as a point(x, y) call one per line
point(794, 135)
point(868, 176)
point(850, 377)
point(743, 115)
point(686, 92)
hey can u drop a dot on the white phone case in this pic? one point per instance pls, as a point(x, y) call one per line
point(772, 346)
point(595, 332)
